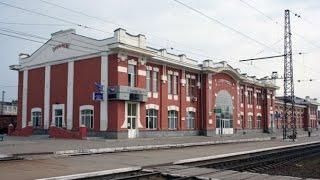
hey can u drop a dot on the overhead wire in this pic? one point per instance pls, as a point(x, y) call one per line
point(224, 25)
point(276, 22)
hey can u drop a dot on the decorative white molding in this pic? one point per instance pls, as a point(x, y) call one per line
point(132, 62)
point(188, 98)
point(155, 95)
point(210, 121)
point(241, 113)
point(176, 73)
point(122, 69)
point(104, 104)
point(259, 114)
point(173, 107)
point(24, 98)
point(191, 109)
point(170, 72)
point(164, 78)
point(155, 69)
point(46, 110)
point(142, 72)
point(210, 81)
point(250, 114)
point(193, 77)
point(36, 109)
point(175, 97)
point(152, 106)
point(122, 56)
point(70, 95)
point(149, 94)
point(183, 82)
point(149, 68)
point(142, 60)
point(170, 96)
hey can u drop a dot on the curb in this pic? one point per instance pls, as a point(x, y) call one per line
point(206, 158)
point(78, 152)
point(94, 174)
point(153, 147)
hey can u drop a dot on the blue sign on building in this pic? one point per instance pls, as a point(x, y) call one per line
point(98, 96)
point(99, 86)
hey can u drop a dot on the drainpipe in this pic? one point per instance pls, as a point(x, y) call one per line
point(201, 104)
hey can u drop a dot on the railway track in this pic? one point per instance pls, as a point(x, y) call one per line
point(241, 166)
point(260, 163)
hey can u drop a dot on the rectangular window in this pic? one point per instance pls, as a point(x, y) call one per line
point(259, 122)
point(242, 121)
point(187, 86)
point(242, 96)
point(192, 87)
point(250, 97)
point(36, 118)
point(131, 75)
point(58, 117)
point(148, 80)
point(175, 84)
point(152, 118)
point(169, 84)
point(155, 81)
point(190, 120)
point(172, 119)
point(250, 121)
point(259, 98)
point(87, 118)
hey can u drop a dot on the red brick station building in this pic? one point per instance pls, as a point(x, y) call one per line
point(120, 88)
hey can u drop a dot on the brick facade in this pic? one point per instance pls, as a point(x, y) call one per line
point(147, 92)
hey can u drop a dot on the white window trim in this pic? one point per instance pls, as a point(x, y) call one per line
point(84, 107)
point(173, 107)
point(35, 109)
point(125, 122)
point(192, 109)
point(152, 106)
point(58, 106)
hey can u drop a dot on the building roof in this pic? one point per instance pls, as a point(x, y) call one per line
point(66, 45)
point(301, 101)
point(12, 103)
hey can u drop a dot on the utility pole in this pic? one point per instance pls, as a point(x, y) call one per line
point(2, 102)
point(289, 113)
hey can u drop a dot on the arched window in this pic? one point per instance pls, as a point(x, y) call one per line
point(224, 119)
point(36, 117)
point(172, 119)
point(259, 118)
point(190, 120)
point(151, 118)
point(86, 116)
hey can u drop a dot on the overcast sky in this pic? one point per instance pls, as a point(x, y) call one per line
point(168, 24)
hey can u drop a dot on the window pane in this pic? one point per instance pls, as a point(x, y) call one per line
point(175, 84)
point(148, 83)
point(155, 81)
point(187, 86)
point(169, 84)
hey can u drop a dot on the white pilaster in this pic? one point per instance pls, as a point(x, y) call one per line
point(104, 103)
point(24, 98)
point(46, 97)
point(70, 95)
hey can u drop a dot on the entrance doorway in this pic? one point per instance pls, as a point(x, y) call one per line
point(132, 111)
point(224, 119)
